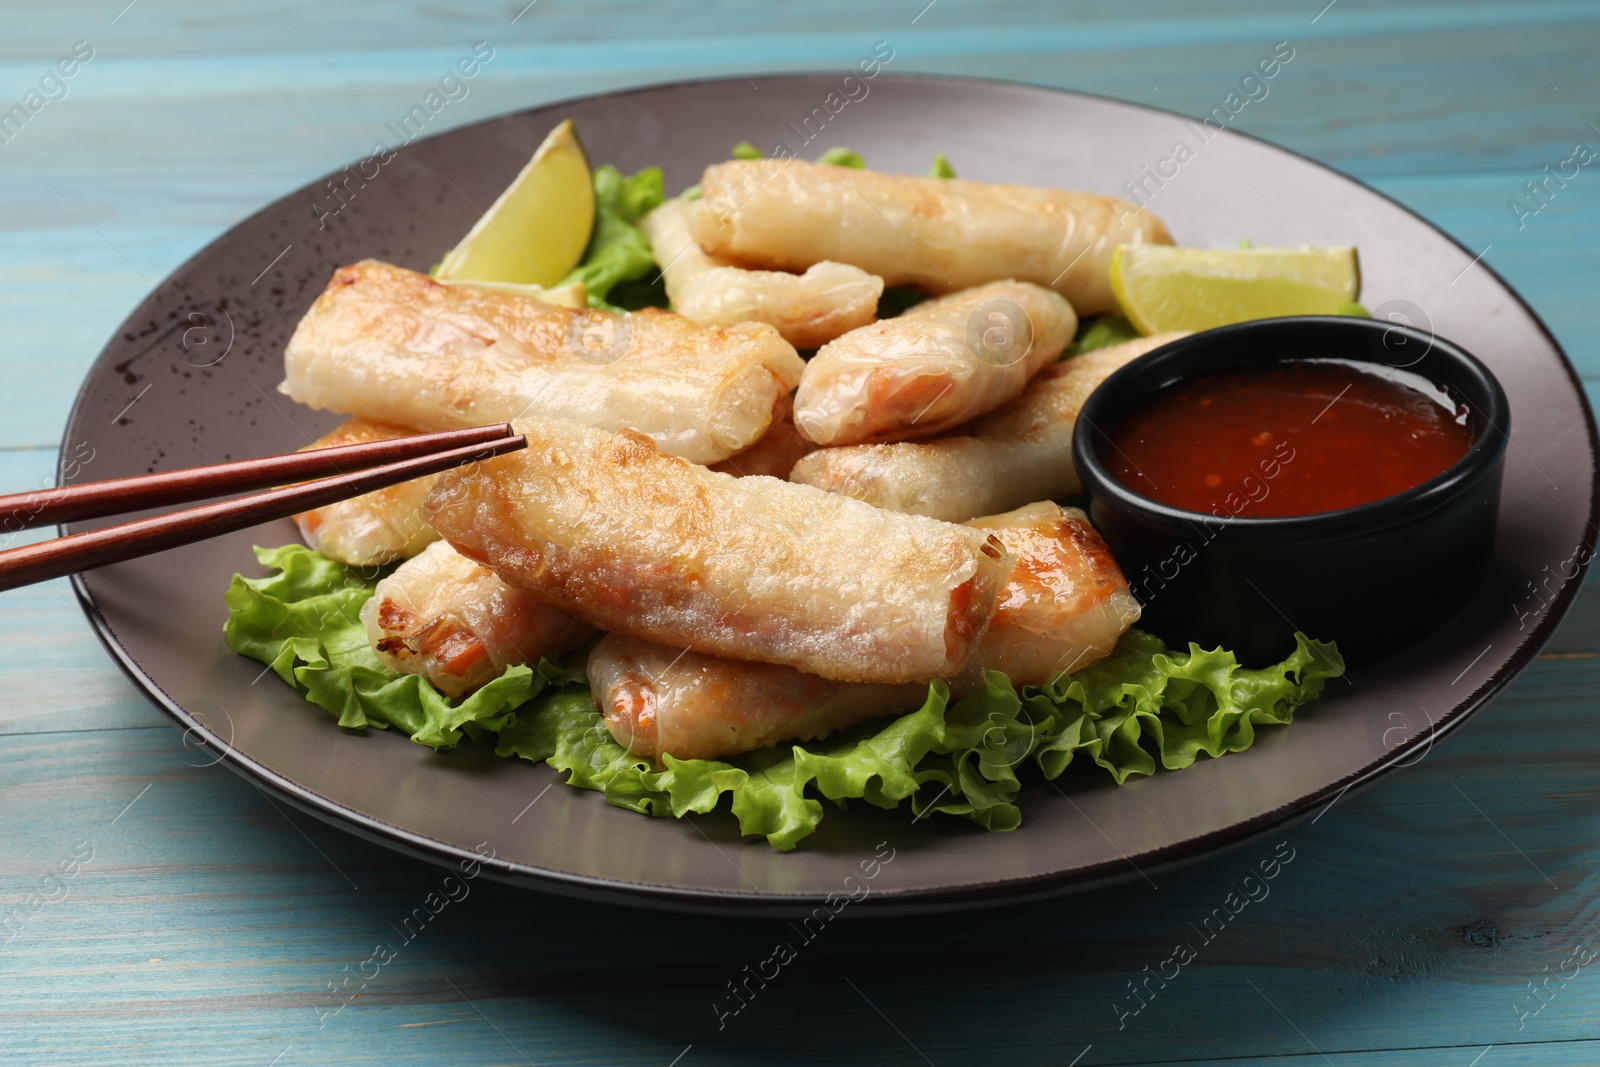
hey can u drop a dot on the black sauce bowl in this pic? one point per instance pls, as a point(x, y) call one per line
point(1374, 578)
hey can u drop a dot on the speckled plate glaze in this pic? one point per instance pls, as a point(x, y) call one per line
point(203, 355)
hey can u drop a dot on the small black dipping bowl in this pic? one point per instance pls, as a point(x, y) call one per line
point(1374, 578)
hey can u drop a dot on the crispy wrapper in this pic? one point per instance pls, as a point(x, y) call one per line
point(940, 234)
point(940, 364)
point(1020, 453)
point(395, 346)
point(452, 621)
point(613, 531)
point(377, 527)
point(1064, 606)
point(808, 309)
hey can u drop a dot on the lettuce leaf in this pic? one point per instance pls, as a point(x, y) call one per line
point(1101, 331)
point(1141, 706)
point(839, 157)
point(843, 157)
point(618, 251)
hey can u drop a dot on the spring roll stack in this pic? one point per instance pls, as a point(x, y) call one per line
point(617, 533)
point(757, 548)
point(393, 345)
point(1010, 457)
point(1063, 606)
point(939, 234)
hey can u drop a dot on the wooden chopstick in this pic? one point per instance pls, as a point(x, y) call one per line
point(114, 544)
point(91, 500)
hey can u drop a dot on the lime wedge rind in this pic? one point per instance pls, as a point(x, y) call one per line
point(1162, 287)
point(535, 232)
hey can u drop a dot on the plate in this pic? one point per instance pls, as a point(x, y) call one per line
point(201, 357)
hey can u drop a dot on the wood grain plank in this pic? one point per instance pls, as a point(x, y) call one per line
point(1413, 914)
point(1403, 932)
point(1499, 109)
point(169, 27)
point(55, 675)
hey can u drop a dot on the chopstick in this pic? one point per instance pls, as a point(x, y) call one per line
point(115, 544)
point(92, 500)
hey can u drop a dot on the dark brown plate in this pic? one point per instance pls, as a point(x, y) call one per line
point(204, 352)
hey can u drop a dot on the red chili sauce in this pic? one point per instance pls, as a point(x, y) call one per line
point(1291, 438)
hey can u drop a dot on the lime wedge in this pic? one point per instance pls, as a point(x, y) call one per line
point(1163, 287)
point(535, 233)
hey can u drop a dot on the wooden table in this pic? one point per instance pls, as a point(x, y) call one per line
point(203, 921)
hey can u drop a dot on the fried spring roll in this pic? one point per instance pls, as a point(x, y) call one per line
point(395, 346)
point(659, 700)
point(1064, 606)
point(1066, 602)
point(615, 532)
point(1019, 453)
point(377, 527)
point(934, 367)
point(940, 234)
point(775, 455)
point(807, 309)
point(452, 621)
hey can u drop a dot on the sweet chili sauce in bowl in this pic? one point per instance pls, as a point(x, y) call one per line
point(1298, 437)
point(1339, 477)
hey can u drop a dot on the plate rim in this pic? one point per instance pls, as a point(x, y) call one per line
point(1012, 890)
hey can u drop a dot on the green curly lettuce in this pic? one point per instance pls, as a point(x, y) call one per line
point(619, 256)
point(1101, 331)
point(837, 156)
point(1141, 706)
point(618, 250)
point(843, 157)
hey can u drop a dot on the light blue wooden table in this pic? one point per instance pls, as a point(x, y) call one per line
point(190, 918)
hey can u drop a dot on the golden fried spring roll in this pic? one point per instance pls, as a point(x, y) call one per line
point(377, 527)
point(452, 621)
point(658, 700)
point(775, 455)
point(940, 234)
point(615, 532)
point(1066, 602)
point(395, 346)
point(1019, 453)
point(807, 309)
point(934, 367)
point(1064, 606)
